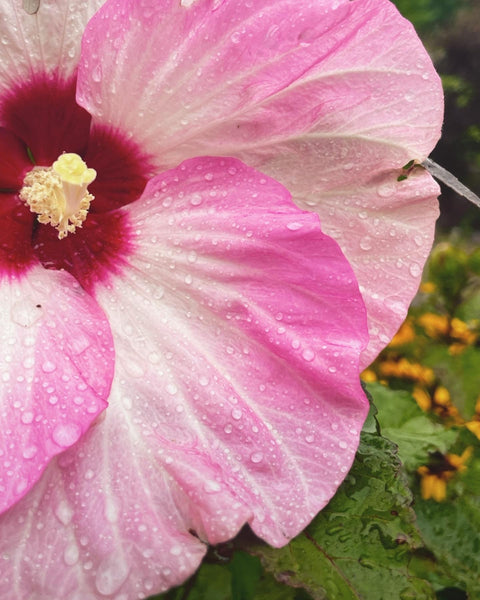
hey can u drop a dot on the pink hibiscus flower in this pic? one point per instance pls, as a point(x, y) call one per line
point(221, 326)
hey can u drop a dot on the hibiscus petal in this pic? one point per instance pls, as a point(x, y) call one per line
point(233, 296)
point(47, 41)
point(329, 98)
point(56, 368)
point(238, 327)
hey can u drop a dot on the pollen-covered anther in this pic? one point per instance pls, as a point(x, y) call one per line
point(58, 194)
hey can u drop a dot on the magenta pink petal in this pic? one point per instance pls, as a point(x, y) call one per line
point(329, 98)
point(238, 327)
point(252, 325)
point(56, 368)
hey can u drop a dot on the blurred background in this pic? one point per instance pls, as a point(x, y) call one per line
point(450, 29)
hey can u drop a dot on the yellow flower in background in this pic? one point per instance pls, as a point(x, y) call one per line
point(474, 424)
point(422, 397)
point(464, 333)
point(404, 369)
point(435, 326)
point(434, 478)
point(369, 376)
point(404, 335)
point(432, 485)
point(428, 287)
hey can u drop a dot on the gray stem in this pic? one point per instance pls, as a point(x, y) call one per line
point(451, 181)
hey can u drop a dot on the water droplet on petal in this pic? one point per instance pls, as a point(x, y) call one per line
point(366, 243)
point(97, 73)
point(236, 414)
point(211, 487)
point(415, 270)
point(29, 452)
point(64, 512)
point(66, 434)
point(294, 226)
point(70, 555)
point(256, 457)
point(308, 355)
point(111, 573)
point(48, 367)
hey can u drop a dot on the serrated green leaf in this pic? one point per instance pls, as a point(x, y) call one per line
point(360, 546)
point(403, 422)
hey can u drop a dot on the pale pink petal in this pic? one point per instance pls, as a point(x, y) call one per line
point(238, 327)
point(56, 368)
point(45, 42)
point(103, 522)
point(329, 98)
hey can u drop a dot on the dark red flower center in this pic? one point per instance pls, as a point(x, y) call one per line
point(40, 121)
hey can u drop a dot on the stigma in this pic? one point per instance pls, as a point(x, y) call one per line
point(58, 194)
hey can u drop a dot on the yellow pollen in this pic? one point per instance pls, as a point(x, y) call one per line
point(58, 194)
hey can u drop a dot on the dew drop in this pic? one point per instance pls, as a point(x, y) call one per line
point(29, 362)
point(71, 555)
point(415, 270)
point(384, 191)
point(236, 414)
point(418, 240)
point(112, 510)
point(27, 417)
point(294, 226)
point(212, 487)
point(111, 573)
point(256, 457)
point(66, 434)
point(64, 512)
point(308, 355)
point(29, 452)
point(48, 367)
point(97, 73)
point(196, 199)
point(366, 243)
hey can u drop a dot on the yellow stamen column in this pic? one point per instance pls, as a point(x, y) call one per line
point(58, 194)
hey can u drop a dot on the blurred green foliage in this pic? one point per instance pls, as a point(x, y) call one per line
point(428, 14)
point(451, 31)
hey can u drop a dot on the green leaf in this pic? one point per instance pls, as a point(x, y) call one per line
point(246, 571)
point(242, 578)
point(403, 422)
point(360, 546)
point(209, 582)
point(452, 532)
